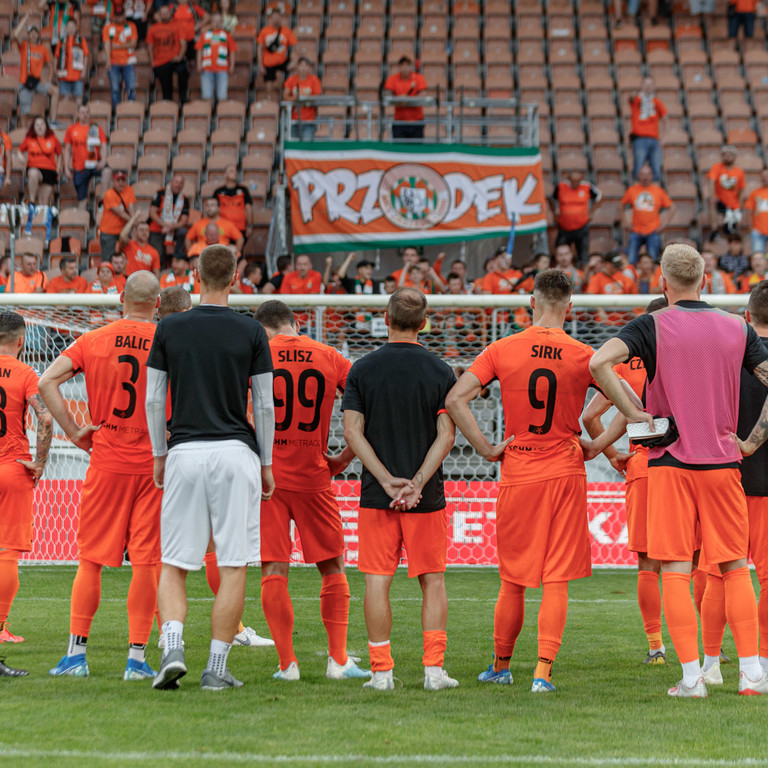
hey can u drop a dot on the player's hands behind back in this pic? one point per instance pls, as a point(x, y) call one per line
point(267, 483)
point(497, 451)
point(83, 438)
point(35, 467)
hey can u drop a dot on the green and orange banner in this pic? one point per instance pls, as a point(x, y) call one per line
point(358, 195)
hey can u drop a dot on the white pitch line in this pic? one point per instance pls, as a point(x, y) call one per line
point(250, 757)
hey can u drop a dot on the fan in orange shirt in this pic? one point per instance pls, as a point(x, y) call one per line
point(643, 219)
point(307, 376)
point(610, 280)
point(138, 252)
point(113, 359)
point(118, 206)
point(726, 189)
point(18, 473)
point(68, 281)
point(541, 514)
point(756, 214)
point(273, 49)
point(228, 232)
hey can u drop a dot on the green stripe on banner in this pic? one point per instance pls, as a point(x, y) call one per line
point(412, 149)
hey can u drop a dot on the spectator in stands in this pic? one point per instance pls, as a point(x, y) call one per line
point(757, 273)
point(502, 277)
point(741, 14)
point(574, 202)
point(733, 260)
point(28, 279)
point(211, 236)
point(643, 220)
point(273, 51)
point(118, 207)
point(180, 274)
point(228, 232)
point(139, 254)
point(168, 54)
point(85, 155)
point(717, 281)
point(34, 57)
point(215, 60)
point(725, 193)
point(120, 265)
point(303, 279)
point(410, 256)
point(610, 279)
point(647, 125)
point(648, 274)
point(252, 277)
point(235, 202)
point(71, 57)
point(284, 265)
point(137, 11)
point(60, 12)
point(756, 214)
point(168, 217)
point(564, 262)
point(190, 19)
point(40, 152)
point(301, 84)
point(68, 281)
point(409, 120)
point(228, 19)
point(5, 270)
point(458, 267)
point(121, 38)
point(6, 151)
point(431, 282)
point(105, 280)
point(362, 283)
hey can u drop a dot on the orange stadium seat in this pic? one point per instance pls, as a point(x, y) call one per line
point(150, 171)
point(129, 115)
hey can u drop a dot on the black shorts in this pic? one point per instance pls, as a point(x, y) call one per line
point(270, 75)
point(51, 178)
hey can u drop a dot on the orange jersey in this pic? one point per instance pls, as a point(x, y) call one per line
point(309, 87)
point(86, 142)
point(111, 223)
point(633, 372)
point(18, 383)
point(165, 40)
point(292, 283)
point(279, 40)
point(122, 41)
point(185, 17)
point(228, 232)
point(544, 376)
point(501, 282)
point(412, 85)
point(646, 125)
point(307, 376)
point(73, 59)
point(729, 184)
point(646, 204)
point(114, 360)
point(186, 281)
point(41, 152)
point(24, 284)
point(757, 204)
point(33, 59)
point(140, 257)
point(217, 47)
point(748, 282)
point(59, 285)
point(619, 283)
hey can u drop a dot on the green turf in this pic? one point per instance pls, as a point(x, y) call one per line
point(609, 709)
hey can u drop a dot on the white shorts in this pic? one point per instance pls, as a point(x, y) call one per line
point(211, 487)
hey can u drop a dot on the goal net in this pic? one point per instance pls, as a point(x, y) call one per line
point(458, 329)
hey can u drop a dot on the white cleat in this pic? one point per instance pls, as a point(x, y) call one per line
point(289, 674)
point(439, 681)
point(348, 671)
point(713, 676)
point(381, 681)
point(249, 638)
point(696, 691)
point(749, 687)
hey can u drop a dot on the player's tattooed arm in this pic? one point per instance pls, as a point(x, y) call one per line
point(44, 437)
point(759, 433)
point(63, 370)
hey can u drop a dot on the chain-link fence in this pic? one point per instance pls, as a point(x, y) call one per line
point(458, 329)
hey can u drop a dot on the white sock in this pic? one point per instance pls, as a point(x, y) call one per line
point(764, 662)
point(137, 652)
point(217, 659)
point(709, 662)
point(173, 630)
point(691, 673)
point(661, 648)
point(433, 671)
point(750, 666)
point(76, 645)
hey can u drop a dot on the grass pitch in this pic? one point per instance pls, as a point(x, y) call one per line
point(609, 709)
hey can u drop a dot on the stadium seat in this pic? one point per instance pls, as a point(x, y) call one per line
point(74, 222)
point(157, 143)
point(197, 114)
point(125, 143)
point(150, 171)
point(129, 115)
point(193, 142)
point(163, 114)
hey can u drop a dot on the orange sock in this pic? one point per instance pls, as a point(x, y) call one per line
point(334, 610)
point(713, 615)
point(741, 610)
point(86, 595)
point(699, 579)
point(680, 614)
point(508, 618)
point(649, 600)
point(435, 642)
point(278, 611)
point(552, 615)
point(212, 572)
point(381, 656)
point(762, 618)
point(142, 599)
point(9, 582)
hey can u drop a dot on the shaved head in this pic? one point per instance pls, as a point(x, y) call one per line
point(142, 287)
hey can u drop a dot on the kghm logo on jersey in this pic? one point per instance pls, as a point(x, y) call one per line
point(413, 196)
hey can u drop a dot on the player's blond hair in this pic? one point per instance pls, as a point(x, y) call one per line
point(172, 300)
point(217, 265)
point(407, 309)
point(142, 287)
point(682, 265)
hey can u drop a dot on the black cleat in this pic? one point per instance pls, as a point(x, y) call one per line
point(6, 671)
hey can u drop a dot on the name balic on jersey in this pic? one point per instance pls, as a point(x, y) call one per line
point(294, 356)
point(133, 342)
point(545, 352)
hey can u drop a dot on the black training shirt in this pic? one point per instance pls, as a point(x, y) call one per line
point(400, 389)
point(754, 468)
point(210, 353)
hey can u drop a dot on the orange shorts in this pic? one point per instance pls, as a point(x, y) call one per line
point(637, 514)
point(758, 534)
point(382, 533)
point(542, 533)
point(119, 512)
point(317, 518)
point(678, 499)
point(16, 493)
